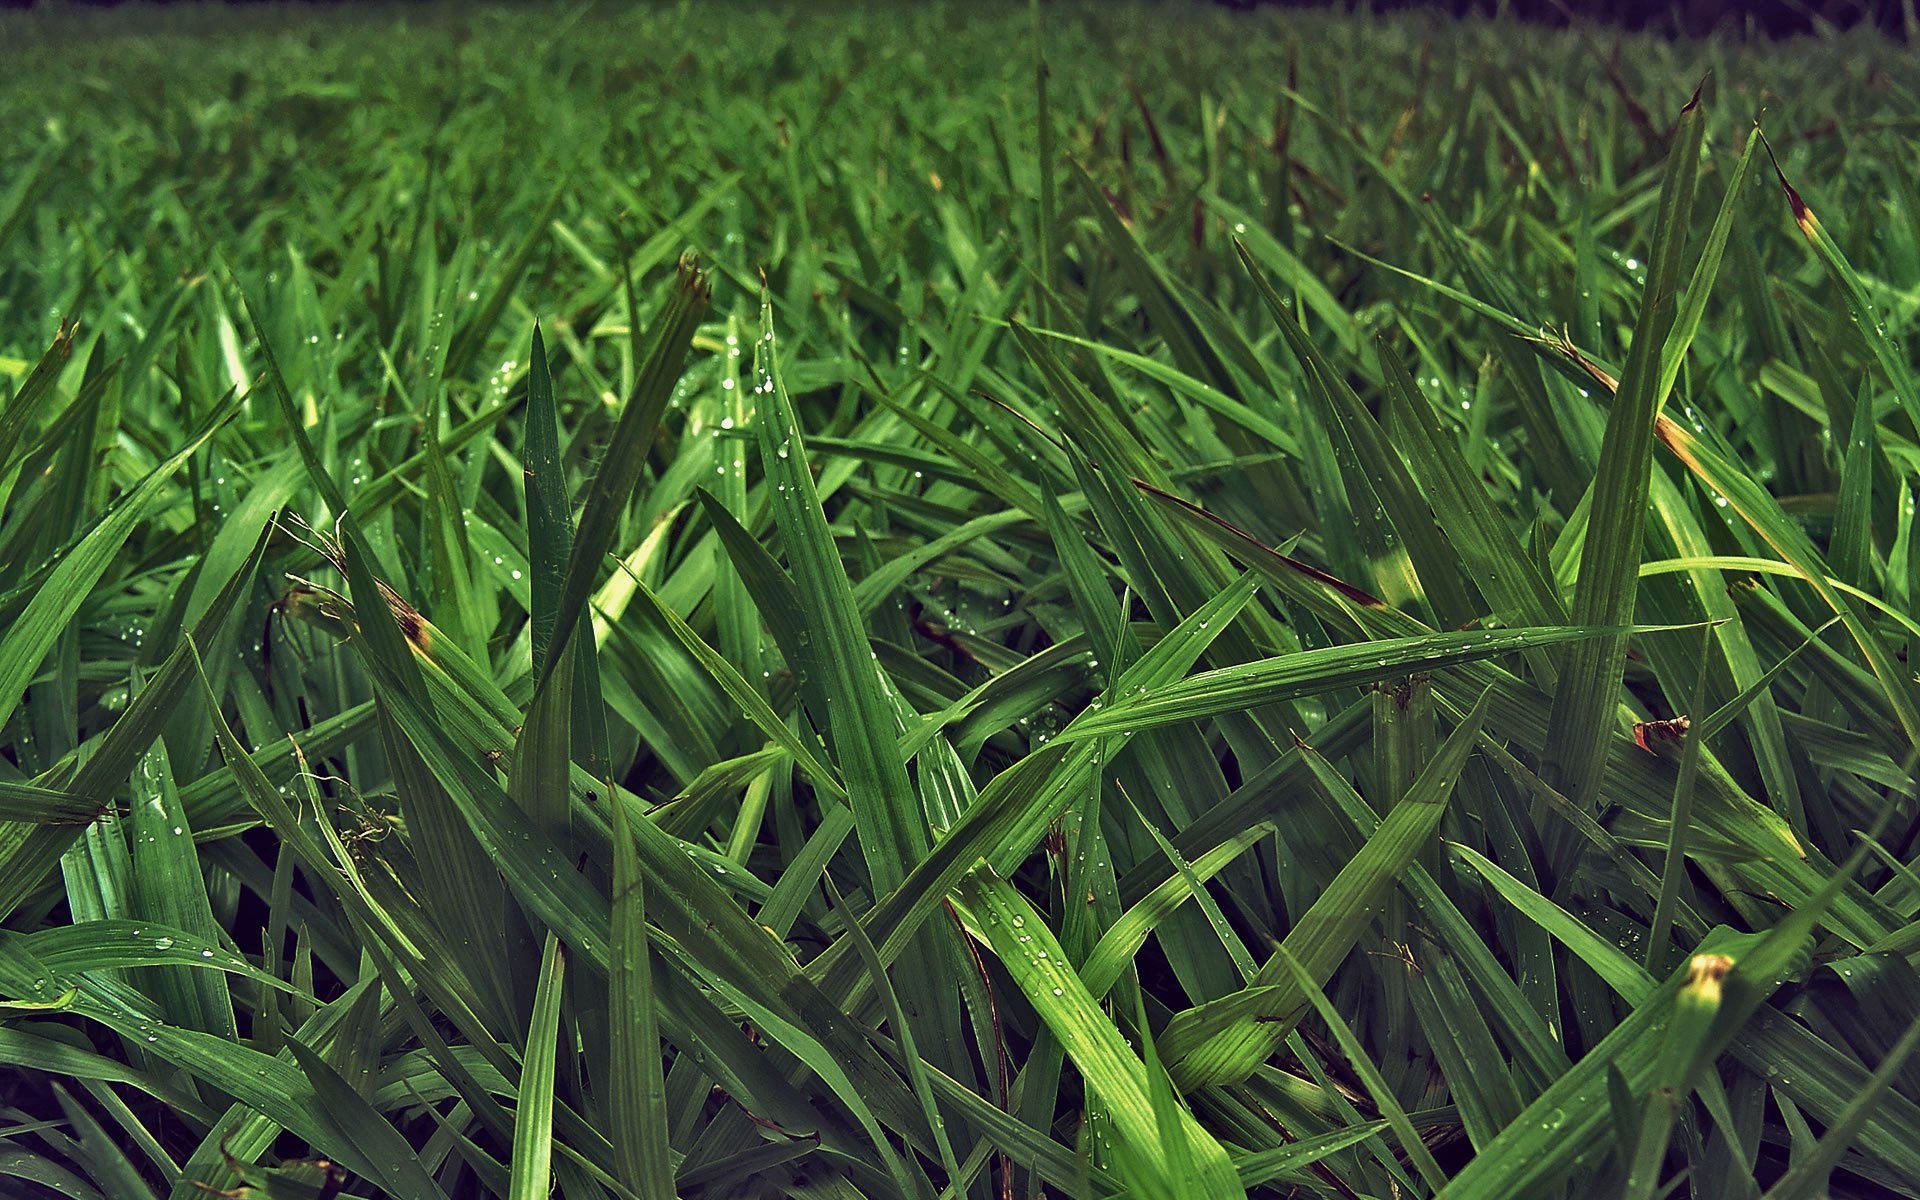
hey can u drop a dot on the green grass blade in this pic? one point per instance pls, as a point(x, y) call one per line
point(1587, 700)
point(1003, 920)
point(1225, 1040)
point(532, 1164)
point(637, 1101)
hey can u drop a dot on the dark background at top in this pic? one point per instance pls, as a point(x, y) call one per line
point(1766, 18)
point(1693, 18)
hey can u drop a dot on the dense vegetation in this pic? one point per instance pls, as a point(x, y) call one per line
point(739, 601)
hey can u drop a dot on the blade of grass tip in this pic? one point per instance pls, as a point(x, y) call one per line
point(1586, 702)
point(532, 1165)
point(1850, 545)
point(106, 1162)
point(1505, 574)
point(1406, 535)
point(1483, 1078)
point(134, 1130)
point(637, 1096)
point(1649, 1145)
point(1886, 349)
point(456, 605)
point(1164, 1099)
point(1311, 672)
point(861, 722)
point(543, 751)
point(1704, 273)
point(549, 525)
point(397, 1168)
point(656, 369)
point(170, 886)
point(23, 408)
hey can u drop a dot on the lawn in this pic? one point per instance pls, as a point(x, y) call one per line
point(955, 600)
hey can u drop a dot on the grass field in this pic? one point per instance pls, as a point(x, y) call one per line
point(773, 600)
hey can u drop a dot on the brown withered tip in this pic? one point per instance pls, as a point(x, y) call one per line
point(1802, 215)
point(1655, 736)
point(1695, 102)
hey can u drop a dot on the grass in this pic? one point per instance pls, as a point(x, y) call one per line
point(954, 601)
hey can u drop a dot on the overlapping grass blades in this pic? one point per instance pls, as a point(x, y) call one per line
point(1224, 629)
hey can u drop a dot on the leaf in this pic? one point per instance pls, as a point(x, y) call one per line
point(532, 1177)
point(1223, 1041)
point(1587, 700)
point(1002, 919)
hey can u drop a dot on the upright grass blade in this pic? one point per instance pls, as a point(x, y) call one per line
point(859, 720)
point(1587, 699)
point(659, 365)
point(532, 1168)
point(169, 887)
point(637, 1101)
